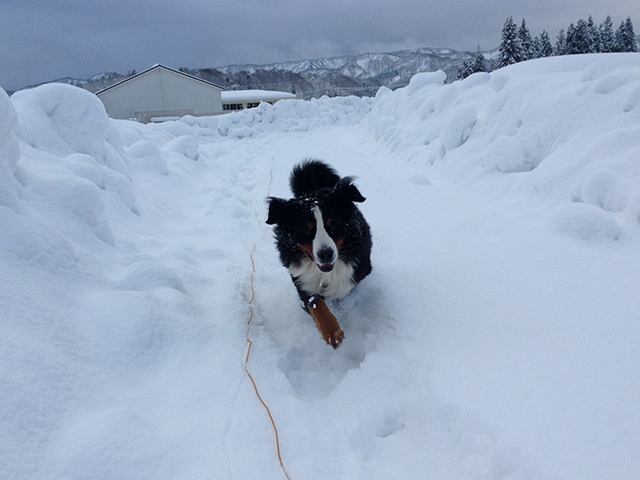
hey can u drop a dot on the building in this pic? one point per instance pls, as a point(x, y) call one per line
point(161, 93)
point(234, 100)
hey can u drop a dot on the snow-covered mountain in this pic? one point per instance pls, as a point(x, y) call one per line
point(360, 75)
point(363, 74)
point(93, 84)
point(389, 69)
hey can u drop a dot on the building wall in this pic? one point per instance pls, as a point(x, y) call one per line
point(234, 100)
point(161, 93)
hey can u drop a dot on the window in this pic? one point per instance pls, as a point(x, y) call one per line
point(232, 106)
point(253, 104)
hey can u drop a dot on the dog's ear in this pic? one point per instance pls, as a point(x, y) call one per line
point(278, 210)
point(346, 191)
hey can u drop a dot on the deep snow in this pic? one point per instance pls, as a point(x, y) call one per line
point(497, 337)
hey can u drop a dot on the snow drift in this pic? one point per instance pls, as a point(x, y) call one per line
point(496, 338)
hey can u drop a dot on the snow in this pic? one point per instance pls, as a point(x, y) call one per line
point(248, 95)
point(497, 337)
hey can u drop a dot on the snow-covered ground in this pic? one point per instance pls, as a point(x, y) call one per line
point(497, 337)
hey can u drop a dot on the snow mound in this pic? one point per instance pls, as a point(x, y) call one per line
point(62, 119)
point(284, 116)
point(9, 153)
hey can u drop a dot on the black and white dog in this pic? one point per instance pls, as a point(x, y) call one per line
point(323, 240)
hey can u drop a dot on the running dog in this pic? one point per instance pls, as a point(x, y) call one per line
point(323, 239)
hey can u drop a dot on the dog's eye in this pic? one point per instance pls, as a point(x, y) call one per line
point(310, 225)
point(327, 224)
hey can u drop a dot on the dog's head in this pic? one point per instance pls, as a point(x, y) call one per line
point(318, 224)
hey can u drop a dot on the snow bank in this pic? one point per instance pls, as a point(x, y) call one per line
point(9, 153)
point(285, 116)
point(534, 123)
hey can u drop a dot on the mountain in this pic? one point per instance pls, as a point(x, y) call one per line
point(360, 75)
point(392, 69)
point(93, 84)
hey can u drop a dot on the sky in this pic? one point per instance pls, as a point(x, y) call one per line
point(42, 40)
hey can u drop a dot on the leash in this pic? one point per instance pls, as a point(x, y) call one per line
point(250, 344)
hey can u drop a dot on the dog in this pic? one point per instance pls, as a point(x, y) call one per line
point(323, 239)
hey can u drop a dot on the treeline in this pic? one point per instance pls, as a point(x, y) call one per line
point(518, 45)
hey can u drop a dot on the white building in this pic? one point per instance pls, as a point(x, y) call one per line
point(161, 93)
point(233, 100)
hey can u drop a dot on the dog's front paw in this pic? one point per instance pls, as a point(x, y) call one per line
point(334, 337)
point(327, 324)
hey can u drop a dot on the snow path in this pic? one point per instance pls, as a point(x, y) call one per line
point(455, 357)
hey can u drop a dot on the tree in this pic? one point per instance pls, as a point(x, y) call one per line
point(579, 39)
point(606, 36)
point(561, 43)
point(625, 37)
point(544, 45)
point(510, 47)
point(593, 39)
point(468, 67)
point(526, 43)
point(465, 69)
point(480, 64)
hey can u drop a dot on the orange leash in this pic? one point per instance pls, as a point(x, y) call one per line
point(246, 368)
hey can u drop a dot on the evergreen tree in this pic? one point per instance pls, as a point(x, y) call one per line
point(583, 38)
point(536, 48)
point(464, 70)
point(480, 64)
point(510, 48)
point(593, 39)
point(561, 43)
point(578, 38)
point(526, 43)
point(469, 67)
point(625, 37)
point(631, 36)
point(544, 45)
point(570, 47)
point(606, 35)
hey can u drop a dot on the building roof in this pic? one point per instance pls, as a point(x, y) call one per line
point(158, 66)
point(244, 95)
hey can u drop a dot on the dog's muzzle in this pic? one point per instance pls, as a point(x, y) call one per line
point(325, 259)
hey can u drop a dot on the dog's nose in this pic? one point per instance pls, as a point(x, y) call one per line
point(325, 255)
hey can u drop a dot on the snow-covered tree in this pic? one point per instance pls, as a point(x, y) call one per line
point(561, 43)
point(625, 37)
point(464, 70)
point(526, 43)
point(468, 67)
point(606, 36)
point(480, 64)
point(579, 39)
point(510, 47)
point(543, 43)
point(593, 38)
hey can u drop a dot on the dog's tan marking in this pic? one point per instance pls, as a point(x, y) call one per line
point(308, 249)
point(327, 324)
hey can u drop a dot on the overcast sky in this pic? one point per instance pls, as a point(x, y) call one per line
point(43, 40)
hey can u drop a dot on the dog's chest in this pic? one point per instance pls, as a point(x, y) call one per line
point(333, 285)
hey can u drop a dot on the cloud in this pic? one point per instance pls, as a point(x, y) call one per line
point(41, 40)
